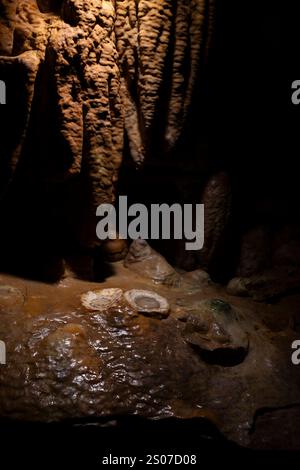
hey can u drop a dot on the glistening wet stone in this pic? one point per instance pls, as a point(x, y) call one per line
point(68, 362)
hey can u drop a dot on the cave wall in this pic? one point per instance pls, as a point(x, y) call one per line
point(120, 97)
point(92, 70)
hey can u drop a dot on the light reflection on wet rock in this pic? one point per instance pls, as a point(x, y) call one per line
point(11, 299)
point(75, 363)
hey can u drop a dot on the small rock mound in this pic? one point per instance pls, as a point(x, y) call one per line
point(214, 329)
point(146, 262)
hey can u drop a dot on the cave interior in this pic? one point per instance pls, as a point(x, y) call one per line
point(182, 102)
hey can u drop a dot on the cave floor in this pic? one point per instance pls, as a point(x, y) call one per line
point(67, 363)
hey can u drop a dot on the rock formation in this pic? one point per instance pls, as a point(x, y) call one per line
point(85, 355)
point(92, 85)
point(92, 69)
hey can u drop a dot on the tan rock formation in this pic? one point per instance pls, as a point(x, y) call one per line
point(107, 63)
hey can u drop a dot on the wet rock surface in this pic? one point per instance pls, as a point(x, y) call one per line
point(94, 71)
point(216, 329)
point(11, 298)
point(65, 361)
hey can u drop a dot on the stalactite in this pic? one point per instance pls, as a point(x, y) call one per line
point(155, 23)
point(107, 64)
point(143, 37)
point(151, 36)
point(193, 26)
point(23, 46)
point(7, 18)
point(88, 88)
point(126, 27)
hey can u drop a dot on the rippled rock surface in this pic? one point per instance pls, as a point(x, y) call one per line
point(65, 361)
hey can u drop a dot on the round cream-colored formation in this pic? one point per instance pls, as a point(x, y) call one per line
point(146, 301)
point(101, 299)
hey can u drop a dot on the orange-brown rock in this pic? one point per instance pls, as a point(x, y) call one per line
point(69, 362)
point(93, 70)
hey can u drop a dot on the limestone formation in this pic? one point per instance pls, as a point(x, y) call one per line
point(102, 299)
point(147, 302)
point(96, 68)
point(193, 27)
point(146, 262)
point(152, 37)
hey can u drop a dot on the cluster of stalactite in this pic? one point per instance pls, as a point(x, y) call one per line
point(113, 66)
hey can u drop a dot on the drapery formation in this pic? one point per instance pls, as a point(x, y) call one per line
point(106, 66)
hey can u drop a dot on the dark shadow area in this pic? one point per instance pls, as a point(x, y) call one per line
point(223, 357)
point(86, 444)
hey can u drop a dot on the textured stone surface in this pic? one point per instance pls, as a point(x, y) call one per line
point(67, 362)
point(96, 68)
point(214, 327)
point(147, 302)
point(193, 28)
